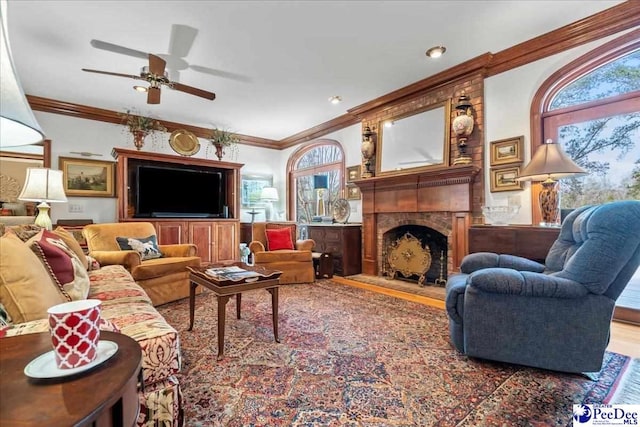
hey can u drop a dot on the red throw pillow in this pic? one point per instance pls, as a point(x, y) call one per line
point(279, 238)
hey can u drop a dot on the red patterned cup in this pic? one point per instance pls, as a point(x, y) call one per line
point(75, 332)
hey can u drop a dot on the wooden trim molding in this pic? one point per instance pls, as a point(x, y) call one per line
point(99, 114)
point(618, 18)
point(332, 125)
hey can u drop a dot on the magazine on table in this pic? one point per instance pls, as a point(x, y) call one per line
point(234, 273)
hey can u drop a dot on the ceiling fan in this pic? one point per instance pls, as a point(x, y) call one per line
point(156, 75)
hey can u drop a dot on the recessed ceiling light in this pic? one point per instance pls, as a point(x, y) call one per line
point(436, 51)
point(335, 99)
point(140, 88)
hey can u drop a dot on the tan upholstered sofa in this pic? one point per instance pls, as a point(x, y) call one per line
point(164, 279)
point(30, 284)
point(296, 264)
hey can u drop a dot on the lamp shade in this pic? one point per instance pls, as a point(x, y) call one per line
point(549, 162)
point(269, 194)
point(320, 182)
point(43, 185)
point(18, 125)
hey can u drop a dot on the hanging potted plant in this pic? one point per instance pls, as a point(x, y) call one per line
point(141, 126)
point(222, 139)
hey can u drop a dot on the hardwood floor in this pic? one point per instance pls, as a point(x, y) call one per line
point(625, 337)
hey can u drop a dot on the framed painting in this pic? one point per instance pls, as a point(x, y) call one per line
point(506, 151)
point(504, 179)
point(353, 173)
point(353, 192)
point(87, 178)
point(251, 187)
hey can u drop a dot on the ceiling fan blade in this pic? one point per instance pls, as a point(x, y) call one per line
point(153, 95)
point(98, 44)
point(182, 37)
point(193, 91)
point(220, 73)
point(109, 73)
point(156, 65)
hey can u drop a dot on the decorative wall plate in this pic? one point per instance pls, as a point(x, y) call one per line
point(184, 142)
point(341, 210)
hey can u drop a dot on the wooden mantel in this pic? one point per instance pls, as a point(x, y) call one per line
point(446, 191)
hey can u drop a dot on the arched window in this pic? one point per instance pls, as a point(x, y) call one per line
point(309, 168)
point(592, 108)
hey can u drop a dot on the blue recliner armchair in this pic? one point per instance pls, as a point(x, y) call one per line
point(555, 316)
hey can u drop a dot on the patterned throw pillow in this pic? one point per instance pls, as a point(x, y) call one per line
point(73, 244)
point(5, 318)
point(26, 290)
point(63, 265)
point(147, 247)
point(279, 239)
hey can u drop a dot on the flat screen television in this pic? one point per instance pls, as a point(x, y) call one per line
point(167, 192)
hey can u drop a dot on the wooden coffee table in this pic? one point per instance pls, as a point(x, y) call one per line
point(105, 395)
point(225, 289)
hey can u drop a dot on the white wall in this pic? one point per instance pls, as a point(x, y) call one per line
point(72, 134)
point(508, 98)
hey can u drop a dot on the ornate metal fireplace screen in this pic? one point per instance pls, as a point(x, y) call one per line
point(411, 257)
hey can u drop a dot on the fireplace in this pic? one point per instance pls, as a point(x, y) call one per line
point(437, 203)
point(414, 252)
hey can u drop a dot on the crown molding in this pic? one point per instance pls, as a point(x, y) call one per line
point(99, 114)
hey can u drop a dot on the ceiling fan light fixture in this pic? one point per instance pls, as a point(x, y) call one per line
point(436, 51)
point(335, 99)
point(140, 88)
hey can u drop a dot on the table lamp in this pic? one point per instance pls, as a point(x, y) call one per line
point(320, 184)
point(269, 195)
point(43, 185)
point(548, 164)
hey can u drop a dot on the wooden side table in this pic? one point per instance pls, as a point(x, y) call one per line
point(106, 395)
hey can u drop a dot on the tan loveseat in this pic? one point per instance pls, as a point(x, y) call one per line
point(164, 279)
point(296, 264)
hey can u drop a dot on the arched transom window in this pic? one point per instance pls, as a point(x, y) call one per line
point(315, 166)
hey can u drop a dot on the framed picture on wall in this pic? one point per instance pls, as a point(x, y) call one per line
point(504, 179)
point(353, 192)
point(353, 173)
point(252, 186)
point(87, 178)
point(506, 151)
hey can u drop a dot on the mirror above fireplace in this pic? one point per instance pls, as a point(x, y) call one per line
point(413, 142)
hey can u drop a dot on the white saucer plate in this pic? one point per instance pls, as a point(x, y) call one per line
point(44, 366)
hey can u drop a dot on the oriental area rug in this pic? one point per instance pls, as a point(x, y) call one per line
point(352, 357)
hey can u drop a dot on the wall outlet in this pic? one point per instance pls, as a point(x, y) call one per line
point(76, 208)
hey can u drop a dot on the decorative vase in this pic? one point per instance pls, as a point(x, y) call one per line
point(368, 150)
point(549, 204)
point(219, 151)
point(463, 126)
point(138, 138)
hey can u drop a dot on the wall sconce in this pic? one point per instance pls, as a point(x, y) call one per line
point(320, 184)
point(548, 164)
point(18, 125)
point(269, 195)
point(368, 150)
point(463, 126)
point(43, 185)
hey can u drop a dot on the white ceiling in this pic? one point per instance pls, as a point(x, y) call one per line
point(286, 58)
